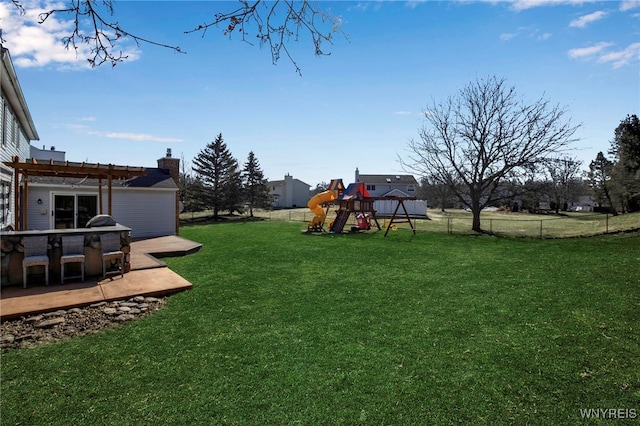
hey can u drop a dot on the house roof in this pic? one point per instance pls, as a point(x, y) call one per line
point(388, 179)
point(282, 182)
point(13, 92)
point(395, 192)
point(155, 178)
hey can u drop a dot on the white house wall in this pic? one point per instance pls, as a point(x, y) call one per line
point(299, 194)
point(148, 212)
point(14, 143)
point(39, 215)
point(290, 192)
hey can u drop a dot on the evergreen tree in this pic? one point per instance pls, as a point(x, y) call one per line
point(232, 191)
point(256, 190)
point(625, 148)
point(196, 197)
point(217, 169)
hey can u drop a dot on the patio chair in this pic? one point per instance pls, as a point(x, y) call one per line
point(35, 254)
point(72, 252)
point(111, 251)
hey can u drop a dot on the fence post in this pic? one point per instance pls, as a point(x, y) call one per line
point(606, 228)
point(540, 229)
point(449, 227)
point(491, 226)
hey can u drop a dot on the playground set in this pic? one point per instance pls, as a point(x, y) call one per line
point(354, 199)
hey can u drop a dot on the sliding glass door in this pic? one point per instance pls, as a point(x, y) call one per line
point(73, 210)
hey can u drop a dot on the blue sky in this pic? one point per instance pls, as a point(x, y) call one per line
point(357, 107)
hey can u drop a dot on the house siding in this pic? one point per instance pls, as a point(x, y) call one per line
point(289, 192)
point(14, 143)
point(39, 215)
point(144, 211)
point(16, 131)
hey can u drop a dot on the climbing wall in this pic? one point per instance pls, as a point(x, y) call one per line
point(340, 221)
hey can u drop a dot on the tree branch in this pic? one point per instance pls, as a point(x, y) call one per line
point(101, 36)
point(297, 16)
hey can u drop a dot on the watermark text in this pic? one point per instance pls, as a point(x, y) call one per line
point(609, 413)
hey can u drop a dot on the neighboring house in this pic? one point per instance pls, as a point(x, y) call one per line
point(393, 186)
point(17, 130)
point(47, 154)
point(289, 192)
point(146, 204)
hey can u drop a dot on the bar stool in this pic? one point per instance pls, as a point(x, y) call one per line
point(35, 254)
point(111, 251)
point(72, 252)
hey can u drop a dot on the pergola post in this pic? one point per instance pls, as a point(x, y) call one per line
point(100, 209)
point(17, 218)
point(25, 204)
point(109, 180)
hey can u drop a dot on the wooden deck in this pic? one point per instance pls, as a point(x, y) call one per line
point(148, 277)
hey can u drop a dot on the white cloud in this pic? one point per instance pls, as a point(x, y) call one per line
point(77, 127)
point(583, 21)
point(138, 137)
point(412, 4)
point(402, 113)
point(528, 32)
point(519, 5)
point(366, 5)
point(622, 57)
point(629, 4)
point(588, 51)
point(602, 54)
point(32, 44)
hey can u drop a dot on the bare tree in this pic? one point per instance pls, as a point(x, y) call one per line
point(270, 23)
point(562, 173)
point(601, 182)
point(484, 136)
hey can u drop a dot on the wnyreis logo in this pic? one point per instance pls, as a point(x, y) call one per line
point(609, 413)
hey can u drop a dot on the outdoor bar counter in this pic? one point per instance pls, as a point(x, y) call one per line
point(12, 254)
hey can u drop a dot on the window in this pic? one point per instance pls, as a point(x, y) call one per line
point(15, 130)
point(6, 123)
point(5, 188)
point(411, 188)
point(371, 187)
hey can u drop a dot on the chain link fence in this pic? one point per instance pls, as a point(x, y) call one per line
point(530, 226)
point(459, 222)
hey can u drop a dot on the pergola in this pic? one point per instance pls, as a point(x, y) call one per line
point(65, 169)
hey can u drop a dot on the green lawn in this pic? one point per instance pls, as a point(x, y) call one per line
point(287, 328)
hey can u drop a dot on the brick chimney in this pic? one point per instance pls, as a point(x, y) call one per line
point(173, 165)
